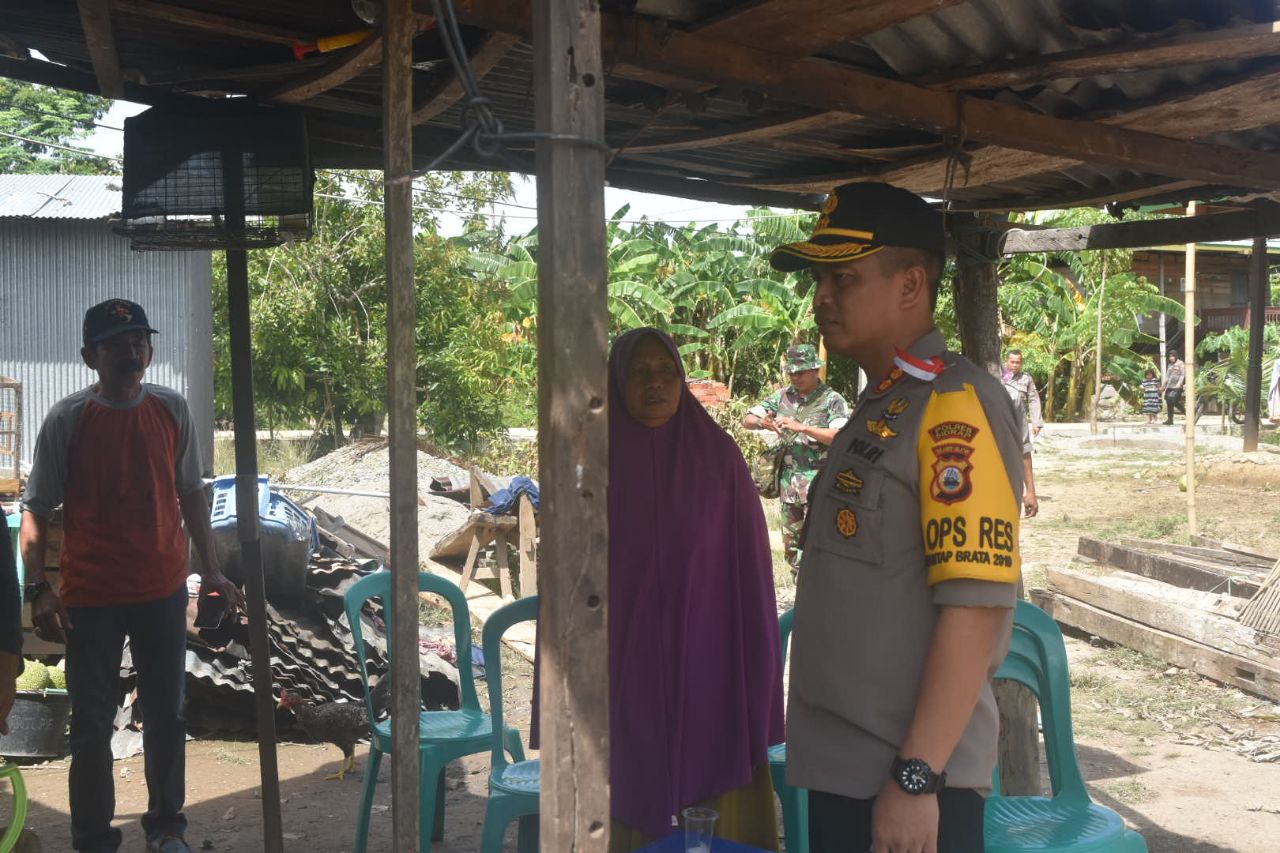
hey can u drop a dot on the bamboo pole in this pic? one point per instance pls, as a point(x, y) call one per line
point(397, 104)
point(1258, 292)
point(1097, 356)
point(1189, 394)
point(824, 358)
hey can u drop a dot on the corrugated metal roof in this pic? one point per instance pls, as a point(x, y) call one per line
point(59, 196)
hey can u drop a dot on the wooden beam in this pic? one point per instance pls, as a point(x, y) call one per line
point(1226, 44)
point(408, 831)
point(95, 20)
point(1259, 297)
point(1183, 573)
point(210, 23)
point(1092, 197)
point(831, 86)
point(804, 27)
point(573, 438)
point(495, 47)
point(1240, 225)
point(1221, 666)
point(750, 131)
point(343, 67)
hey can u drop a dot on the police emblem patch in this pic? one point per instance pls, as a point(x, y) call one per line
point(121, 310)
point(953, 429)
point(894, 377)
point(849, 482)
point(881, 425)
point(824, 221)
point(951, 473)
point(847, 523)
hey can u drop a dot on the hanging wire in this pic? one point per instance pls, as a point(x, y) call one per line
point(956, 156)
point(481, 129)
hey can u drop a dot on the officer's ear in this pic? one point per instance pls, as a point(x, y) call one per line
point(915, 288)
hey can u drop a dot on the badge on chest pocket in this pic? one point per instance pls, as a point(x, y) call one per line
point(847, 516)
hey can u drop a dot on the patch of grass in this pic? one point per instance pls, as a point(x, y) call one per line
point(435, 613)
point(1130, 791)
point(274, 457)
point(1089, 680)
point(226, 756)
point(1128, 659)
point(1166, 527)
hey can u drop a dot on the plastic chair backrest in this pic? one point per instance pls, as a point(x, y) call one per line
point(785, 623)
point(1038, 659)
point(378, 585)
point(495, 626)
point(18, 815)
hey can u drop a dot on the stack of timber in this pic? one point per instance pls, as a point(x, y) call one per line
point(1178, 603)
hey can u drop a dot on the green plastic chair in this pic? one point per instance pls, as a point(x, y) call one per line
point(513, 786)
point(1067, 822)
point(795, 801)
point(18, 819)
point(443, 736)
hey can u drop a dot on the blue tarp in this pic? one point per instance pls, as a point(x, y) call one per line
point(504, 501)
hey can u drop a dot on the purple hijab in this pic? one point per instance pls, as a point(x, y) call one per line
point(695, 690)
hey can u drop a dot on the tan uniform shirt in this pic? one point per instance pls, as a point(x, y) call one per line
point(917, 508)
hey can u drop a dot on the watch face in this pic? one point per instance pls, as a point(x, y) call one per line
point(914, 775)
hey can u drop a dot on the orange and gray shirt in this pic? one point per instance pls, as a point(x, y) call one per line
point(117, 469)
point(916, 509)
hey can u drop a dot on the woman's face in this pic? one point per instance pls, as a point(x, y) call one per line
point(652, 384)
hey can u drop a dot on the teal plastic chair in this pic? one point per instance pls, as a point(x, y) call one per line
point(1067, 822)
point(795, 801)
point(18, 819)
point(443, 736)
point(513, 786)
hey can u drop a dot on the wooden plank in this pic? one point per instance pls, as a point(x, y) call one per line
point(343, 67)
point(1182, 612)
point(364, 544)
point(397, 133)
point(528, 525)
point(1215, 227)
point(95, 20)
point(832, 86)
point(1170, 570)
point(1218, 45)
point(1210, 555)
point(573, 461)
point(752, 131)
point(1259, 298)
point(1233, 547)
point(495, 47)
point(804, 27)
point(1228, 669)
point(211, 23)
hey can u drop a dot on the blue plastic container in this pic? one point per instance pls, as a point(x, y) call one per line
point(288, 535)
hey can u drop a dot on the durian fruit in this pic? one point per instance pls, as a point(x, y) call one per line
point(58, 675)
point(35, 676)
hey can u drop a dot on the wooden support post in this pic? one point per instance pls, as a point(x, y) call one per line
point(1189, 394)
point(573, 453)
point(977, 312)
point(528, 534)
point(1097, 355)
point(99, 37)
point(397, 133)
point(1259, 290)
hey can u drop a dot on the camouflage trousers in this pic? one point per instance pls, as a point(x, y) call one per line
point(792, 526)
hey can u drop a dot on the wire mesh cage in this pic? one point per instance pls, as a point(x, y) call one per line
point(10, 435)
point(228, 174)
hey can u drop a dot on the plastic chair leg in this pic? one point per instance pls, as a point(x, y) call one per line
point(795, 810)
point(527, 837)
point(366, 798)
point(495, 826)
point(18, 819)
point(431, 776)
point(514, 748)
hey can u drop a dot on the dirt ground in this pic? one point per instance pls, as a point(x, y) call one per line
point(1159, 745)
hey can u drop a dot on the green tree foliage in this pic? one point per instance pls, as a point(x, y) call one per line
point(49, 115)
point(1222, 377)
point(319, 311)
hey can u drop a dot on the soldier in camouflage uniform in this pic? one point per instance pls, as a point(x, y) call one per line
point(806, 415)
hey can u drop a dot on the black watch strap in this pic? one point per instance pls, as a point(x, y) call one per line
point(915, 776)
point(32, 591)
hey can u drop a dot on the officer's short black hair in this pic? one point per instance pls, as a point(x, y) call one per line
point(1017, 352)
point(895, 258)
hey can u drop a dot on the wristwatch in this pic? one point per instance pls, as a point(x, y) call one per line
point(32, 591)
point(915, 776)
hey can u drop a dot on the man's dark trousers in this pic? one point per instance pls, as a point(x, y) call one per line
point(1173, 400)
point(843, 825)
point(157, 643)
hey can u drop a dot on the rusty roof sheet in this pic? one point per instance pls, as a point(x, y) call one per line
point(59, 197)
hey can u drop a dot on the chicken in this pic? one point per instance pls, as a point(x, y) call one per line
point(339, 723)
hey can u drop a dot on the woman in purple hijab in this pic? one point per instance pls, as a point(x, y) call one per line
point(695, 692)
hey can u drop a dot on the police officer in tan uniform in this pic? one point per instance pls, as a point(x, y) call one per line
point(905, 598)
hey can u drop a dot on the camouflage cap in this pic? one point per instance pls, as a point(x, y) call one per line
point(802, 357)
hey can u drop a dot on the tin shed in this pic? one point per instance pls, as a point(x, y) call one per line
point(59, 254)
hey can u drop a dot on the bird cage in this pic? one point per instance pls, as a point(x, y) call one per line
point(229, 174)
point(10, 435)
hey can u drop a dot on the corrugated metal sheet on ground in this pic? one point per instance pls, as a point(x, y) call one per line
point(59, 196)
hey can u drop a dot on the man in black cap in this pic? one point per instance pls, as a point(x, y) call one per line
point(123, 459)
point(906, 590)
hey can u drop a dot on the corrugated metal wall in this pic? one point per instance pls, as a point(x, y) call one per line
point(52, 270)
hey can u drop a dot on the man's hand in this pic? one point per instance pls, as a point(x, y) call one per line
point(904, 823)
point(9, 665)
point(1036, 430)
point(216, 581)
point(1030, 504)
point(50, 617)
point(790, 424)
point(769, 422)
